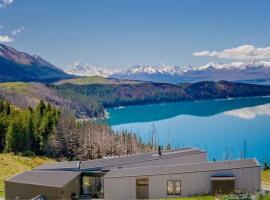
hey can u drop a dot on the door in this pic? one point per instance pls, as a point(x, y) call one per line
point(142, 188)
point(223, 186)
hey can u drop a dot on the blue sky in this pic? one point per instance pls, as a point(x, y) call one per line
point(128, 32)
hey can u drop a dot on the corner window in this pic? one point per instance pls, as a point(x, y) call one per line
point(174, 187)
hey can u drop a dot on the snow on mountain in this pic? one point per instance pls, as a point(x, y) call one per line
point(80, 68)
point(161, 69)
point(235, 71)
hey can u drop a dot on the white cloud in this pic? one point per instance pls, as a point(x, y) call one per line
point(18, 30)
point(7, 2)
point(5, 38)
point(201, 53)
point(244, 52)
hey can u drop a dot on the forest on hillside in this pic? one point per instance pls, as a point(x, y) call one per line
point(44, 130)
point(25, 95)
point(114, 95)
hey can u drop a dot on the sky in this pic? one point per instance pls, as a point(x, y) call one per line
point(123, 33)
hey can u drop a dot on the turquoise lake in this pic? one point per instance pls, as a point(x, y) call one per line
point(227, 129)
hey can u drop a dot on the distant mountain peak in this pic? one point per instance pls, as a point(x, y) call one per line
point(80, 68)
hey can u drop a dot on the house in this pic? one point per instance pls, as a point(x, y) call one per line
point(162, 174)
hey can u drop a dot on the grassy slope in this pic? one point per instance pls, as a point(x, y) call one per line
point(266, 179)
point(15, 86)
point(21, 89)
point(94, 80)
point(11, 165)
point(266, 176)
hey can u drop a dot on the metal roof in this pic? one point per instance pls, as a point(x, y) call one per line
point(65, 165)
point(113, 162)
point(182, 168)
point(45, 178)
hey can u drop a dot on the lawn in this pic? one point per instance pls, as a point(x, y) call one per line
point(11, 165)
point(194, 198)
point(266, 176)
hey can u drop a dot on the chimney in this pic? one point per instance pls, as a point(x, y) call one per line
point(159, 150)
point(79, 164)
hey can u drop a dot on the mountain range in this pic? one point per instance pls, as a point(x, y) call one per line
point(252, 72)
point(88, 96)
point(20, 66)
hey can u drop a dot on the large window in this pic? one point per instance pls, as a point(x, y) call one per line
point(92, 185)
point(174, 187)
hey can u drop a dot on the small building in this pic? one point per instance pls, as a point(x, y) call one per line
point(174, 173)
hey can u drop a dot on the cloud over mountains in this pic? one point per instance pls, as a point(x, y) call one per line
point(5, 38)
point(244, 52)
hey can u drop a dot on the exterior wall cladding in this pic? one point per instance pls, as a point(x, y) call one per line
point(15, 190)
point(192, 183)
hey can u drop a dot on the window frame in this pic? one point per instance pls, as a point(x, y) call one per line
point(168, 193)
point(174, 187)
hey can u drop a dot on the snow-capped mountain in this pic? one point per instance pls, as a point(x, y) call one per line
point(80, 68)
point(237, 71)
point(254, 72)
point(156, 69)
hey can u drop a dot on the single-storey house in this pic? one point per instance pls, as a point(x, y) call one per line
point(162, 174)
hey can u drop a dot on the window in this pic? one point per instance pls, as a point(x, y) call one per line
point(177, 187)
point(174, 187)
point(170, 188)
point(91, 185)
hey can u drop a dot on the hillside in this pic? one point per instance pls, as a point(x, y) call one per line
point(25, 95)
point(20, 66)
point(112, 95)
point(88, 96)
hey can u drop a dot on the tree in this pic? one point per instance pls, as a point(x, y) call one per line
point(266, 165)
point(3, 129)
point(26, 129)
point(13, 136)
